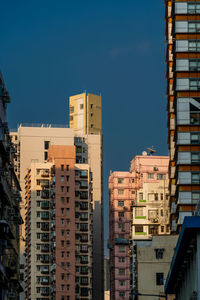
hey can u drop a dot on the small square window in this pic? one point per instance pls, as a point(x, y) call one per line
point(159, 253)
point(46, 145)
point(150, 175)
point(159, 278)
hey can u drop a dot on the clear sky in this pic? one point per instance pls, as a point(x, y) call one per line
point(51, 49)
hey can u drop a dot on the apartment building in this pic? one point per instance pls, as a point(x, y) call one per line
point(59, 228)
point(121, 195)
point(10, 218)
point(139, 209)
point(32, 142)
point(183, 57)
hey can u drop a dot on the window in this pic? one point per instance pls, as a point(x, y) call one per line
point(67, 167)
point(62, 243)
point(120, 180)
point(193, 8)
point(140, 196)
point(120, 192)
point(121, 214)
point(150, 175)
point(62, 189)
point(161, 176)
point(67, 178)
point(62, 167)
point(121, 282)
point(62, 178)
point(62, 276)
point(38, 203)
point(62, 210)
point(67, 211)
point(62, 232)
point(193, 27)
point(194, 65)
point(156, 196)
point(71, 118)
point(161, 212)
point(162, 229)
point(91, 105)
point(62, 199)
point(121, 294)
point(38, 182)
point(161, 196)
point(195, 157)
point(159, 279)
point(81, 106)
point(120, 203)
point(38, 224)
point(71, 109)
point(38, 193)
point(153, 229)
point(193, 46)
point(121, 249)
point(195, 197)
point(139, 212)
point(159, 253)
point(121, 271)
point(38, 214)
point(62, 221)
point(195, 138)
point(67, 189)
point(62, 287)
point(121, 259)
point(139, 228)
point(195, 117)
point(62, 253)
point(46, 145)
point(67, 232)
point(195, 177)
point(45, 155)
point(194, 84)
point(67, 199)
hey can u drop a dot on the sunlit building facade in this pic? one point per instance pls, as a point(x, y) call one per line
point(139, 209)
point(183, 96)
point(59, 228)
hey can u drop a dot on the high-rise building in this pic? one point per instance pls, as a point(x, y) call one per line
point(85, 113)
point(183, 96)
point(10, 218)
point(32, 143)
point(85, 119)
point(59, 233)
point(138, 198)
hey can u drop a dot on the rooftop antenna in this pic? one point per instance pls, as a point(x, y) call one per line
point(151, 150)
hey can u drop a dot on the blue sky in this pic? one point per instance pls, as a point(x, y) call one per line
point(53, 49)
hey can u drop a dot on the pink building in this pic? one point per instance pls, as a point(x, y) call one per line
point(121, 191)
point(139, 208)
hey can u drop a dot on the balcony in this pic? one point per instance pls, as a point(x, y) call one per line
point(83, 184)
point(83, 174)
point(45, 226)
point(83, 195)
point(45, 194)
point(45, 215)
point(44, 280)
point(45, 248)
point(45, 204)
point(45, 292)
point(44, 258)
point(45, 173)
point(44, 269)
point(44, 183)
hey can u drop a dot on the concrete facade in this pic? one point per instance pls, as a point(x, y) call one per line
point(153, 261)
